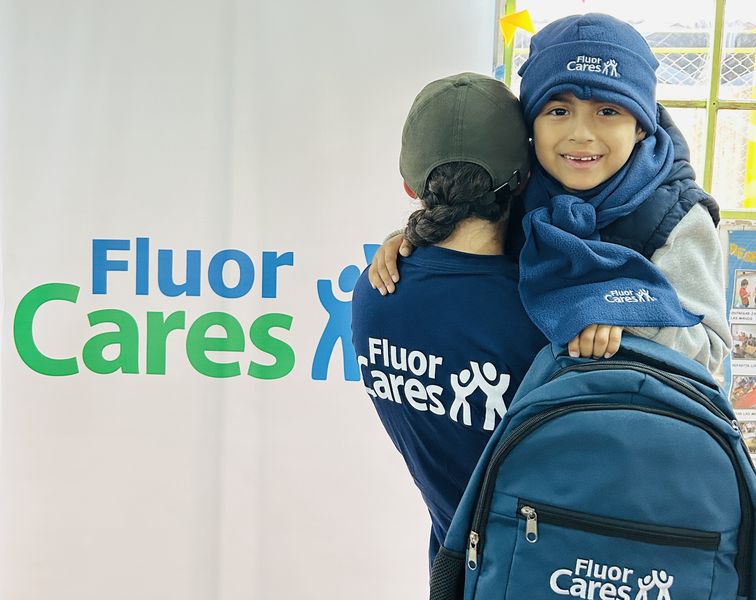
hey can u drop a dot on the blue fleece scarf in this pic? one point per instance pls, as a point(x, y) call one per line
point(569, 278)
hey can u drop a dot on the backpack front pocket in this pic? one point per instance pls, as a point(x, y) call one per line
point(566, 553)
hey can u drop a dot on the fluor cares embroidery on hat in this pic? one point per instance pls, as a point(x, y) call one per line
point(595, 64)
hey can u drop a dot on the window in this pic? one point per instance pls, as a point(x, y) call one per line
point(706, 77)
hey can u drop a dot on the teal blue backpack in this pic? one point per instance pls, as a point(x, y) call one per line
point(618, 479)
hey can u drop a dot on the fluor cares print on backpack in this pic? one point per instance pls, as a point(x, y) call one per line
point(618, 479)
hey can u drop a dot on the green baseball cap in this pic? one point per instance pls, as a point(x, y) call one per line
point(465, 118)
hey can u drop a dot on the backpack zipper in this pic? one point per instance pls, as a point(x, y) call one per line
point(671, 379)
point(480, 517)
point(619, 528)
point(675, 382)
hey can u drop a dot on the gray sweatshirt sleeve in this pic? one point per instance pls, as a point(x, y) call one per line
point(692, 261)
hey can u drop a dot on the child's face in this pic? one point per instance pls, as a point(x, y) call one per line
point(582, 143)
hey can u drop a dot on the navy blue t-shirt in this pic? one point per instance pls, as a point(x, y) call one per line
point(441, 359)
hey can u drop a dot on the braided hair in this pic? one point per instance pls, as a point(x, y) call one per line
point(454, 192)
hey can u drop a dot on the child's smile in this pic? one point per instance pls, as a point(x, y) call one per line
point(582, 143)
point(579, 160)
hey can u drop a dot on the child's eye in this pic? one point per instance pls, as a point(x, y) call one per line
point(608, 112)
point(557, 112)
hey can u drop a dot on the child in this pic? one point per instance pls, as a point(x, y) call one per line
point(744, 302)
point(612, 185)
point(442, 358)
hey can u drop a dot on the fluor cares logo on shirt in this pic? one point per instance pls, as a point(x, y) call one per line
point(402, 375)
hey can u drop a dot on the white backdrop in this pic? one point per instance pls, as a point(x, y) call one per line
point(203, 125)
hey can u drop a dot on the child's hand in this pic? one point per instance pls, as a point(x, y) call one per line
point(383, 273)
point(595, 341)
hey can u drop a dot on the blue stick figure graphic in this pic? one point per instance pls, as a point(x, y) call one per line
point(339, 326)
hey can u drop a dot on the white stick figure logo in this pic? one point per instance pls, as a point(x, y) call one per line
point(490, 382)
point(461, 394)
point(610, 68)
point(644, 295)
point(645, 584)
point(494, 391)
point(663, 581)
point(657, 579)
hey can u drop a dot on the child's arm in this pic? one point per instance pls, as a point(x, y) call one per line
point(383, 273)
point(692, 262)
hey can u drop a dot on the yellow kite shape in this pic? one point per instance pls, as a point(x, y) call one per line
point(510, 23)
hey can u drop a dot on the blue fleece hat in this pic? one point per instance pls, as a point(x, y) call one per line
point(594, 56)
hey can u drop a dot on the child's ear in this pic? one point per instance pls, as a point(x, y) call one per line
point(409, 191)
point(639, 135)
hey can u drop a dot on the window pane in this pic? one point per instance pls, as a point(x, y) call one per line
point(680, 41)
point(734, 184)
point(738, 81)
point(683, 53)
point(692, 123)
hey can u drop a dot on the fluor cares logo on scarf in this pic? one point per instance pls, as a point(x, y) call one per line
point(625, 296)
point(216, 332)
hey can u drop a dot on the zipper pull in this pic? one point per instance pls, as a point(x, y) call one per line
point(472, 551)
point(531, 525)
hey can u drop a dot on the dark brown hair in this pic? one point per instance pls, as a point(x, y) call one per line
point(454, 192)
